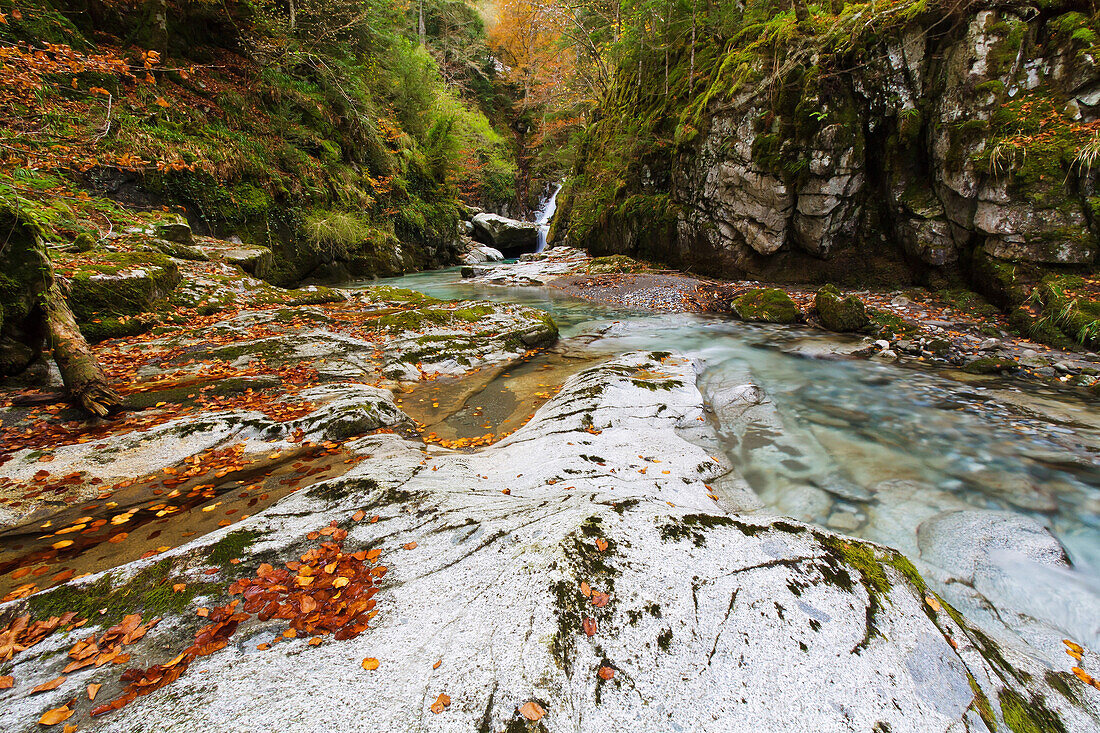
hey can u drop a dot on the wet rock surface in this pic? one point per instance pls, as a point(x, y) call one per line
point(511, 580)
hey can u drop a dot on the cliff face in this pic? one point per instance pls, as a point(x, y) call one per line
point(934, 150)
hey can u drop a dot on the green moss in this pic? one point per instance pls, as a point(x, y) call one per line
point(693, 527)
point(149, 593)
point(840, 313)
point(1028, 716)
point(583, 561)
point(981, 701)
point(888, 325)
point(766, 305)
point(232, 546)
point(990, 365)
point(615, 264)
point(119, 284)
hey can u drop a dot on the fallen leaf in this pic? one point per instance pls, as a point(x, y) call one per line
point(409, 546)
point(532, 711)
point(179, 587)
point(204, 612)
point(600, 599)
point(586, 590)
point(118, 537)
point(314, 641)
point(358, 516)
point(93, 690)
point(589, 626)
point(6, 682)
point(440, 703)
point(436, 665)
point(55, 716)
point(61, 545)
point(601, 544)
point(69, 728)
point(933, 603)
point(47, 686)
point(606, 673)
point(370, 663)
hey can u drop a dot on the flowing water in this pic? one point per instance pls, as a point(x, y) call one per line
point(546, 213)
point(866, 449)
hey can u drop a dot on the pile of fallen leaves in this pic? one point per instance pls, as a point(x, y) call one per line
point(21, 634)
point(326, 591)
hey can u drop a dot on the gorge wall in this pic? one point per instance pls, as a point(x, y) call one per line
point(912, 144)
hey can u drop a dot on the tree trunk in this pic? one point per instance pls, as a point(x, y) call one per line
point(42, 308)
point(293, 16)
point(421, 29)
point(79, 368)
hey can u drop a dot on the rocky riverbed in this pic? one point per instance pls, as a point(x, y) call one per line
point(952, 328)
point(317, 558)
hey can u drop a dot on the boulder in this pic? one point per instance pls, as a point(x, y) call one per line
point(114, 284)
point(504, 233)
point(480, 254)
point(838, 312)
point(766, 305)
point(175, 231)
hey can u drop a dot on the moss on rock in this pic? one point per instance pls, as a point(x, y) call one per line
point(838, 312)
point(766, 305)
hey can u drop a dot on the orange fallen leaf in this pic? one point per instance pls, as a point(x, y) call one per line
point(47, 686)
point(1085, 677)
point(61, 545)
point(93, 690)
point(586, 589)
point(589, 626)
point(69, 728)
point(118, 537)
point(6, 682)
point(600, 599)
point(314, 641)
point(370, 663)
point(204, 612)
point(606, 673)
point(532, 711)
point(409, 545)
point(436, 665)
point(179, 587)
point(601, 544)
point(55, 716)
point(358, 516)
point(440, 703)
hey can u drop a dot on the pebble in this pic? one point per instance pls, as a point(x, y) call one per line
point(989, 344)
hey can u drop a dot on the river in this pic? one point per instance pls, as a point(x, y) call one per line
point(868, 449)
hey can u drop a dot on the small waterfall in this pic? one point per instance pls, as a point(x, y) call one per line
point(546, 213)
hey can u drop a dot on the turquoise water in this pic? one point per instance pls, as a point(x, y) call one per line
point(867, 449)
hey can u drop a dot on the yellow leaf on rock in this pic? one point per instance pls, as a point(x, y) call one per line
point(532, 711)
point(55, 716)
point(440, 703)
point(370, 663)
